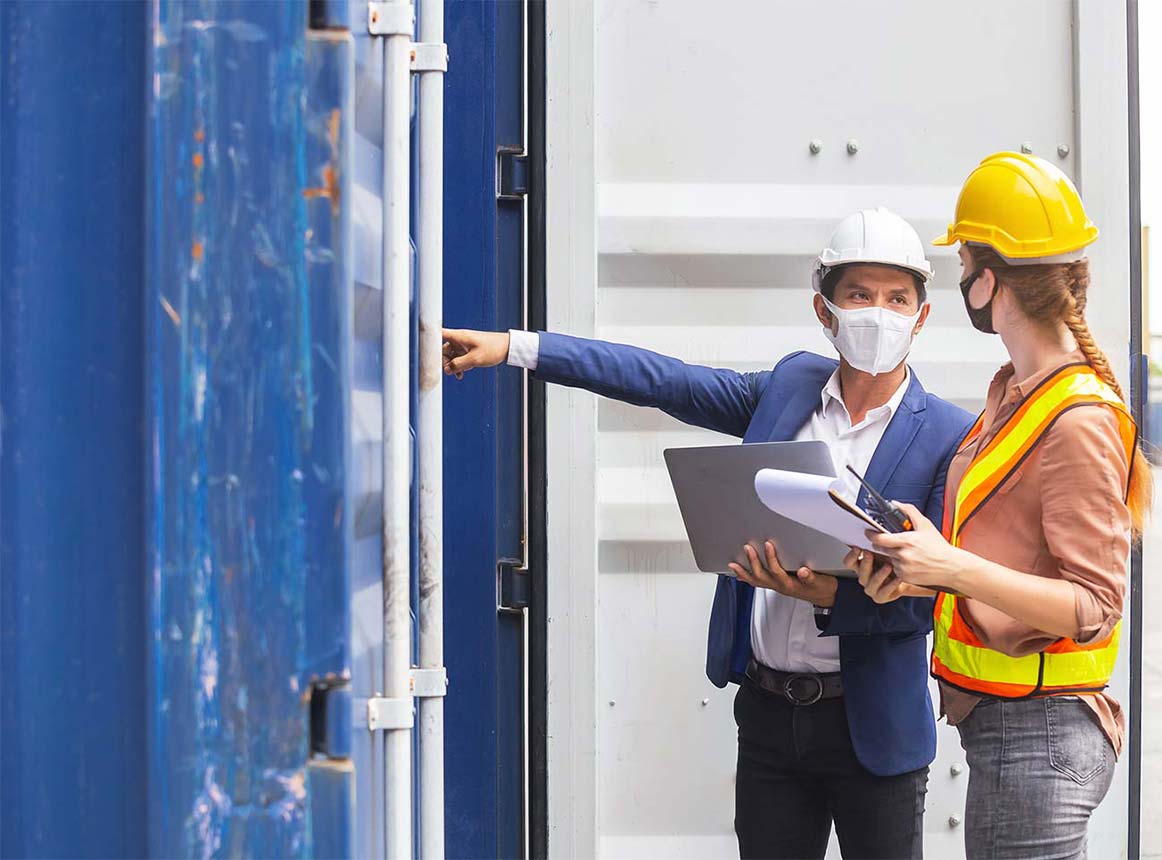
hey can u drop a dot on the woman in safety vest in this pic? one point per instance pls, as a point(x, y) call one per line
point(1042, 500)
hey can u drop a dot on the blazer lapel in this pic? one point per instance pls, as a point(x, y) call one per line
point(800, 406)
point(897, 438)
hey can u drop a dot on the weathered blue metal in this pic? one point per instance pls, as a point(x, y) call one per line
point(181, 358)
point(249, 325)
point(72, 604)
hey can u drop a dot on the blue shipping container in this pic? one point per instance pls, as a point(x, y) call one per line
point(189, 347)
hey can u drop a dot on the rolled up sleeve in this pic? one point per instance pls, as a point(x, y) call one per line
point(1084, 515)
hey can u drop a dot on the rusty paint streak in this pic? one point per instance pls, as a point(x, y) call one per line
point(199, 135)
point(197, 250)
point(330, 187)
point(169, 309)
point(198, 160)
point(199, 198)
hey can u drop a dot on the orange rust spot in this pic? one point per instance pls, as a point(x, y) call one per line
point(198, 160)
point(333, 129)
point(199, 198)
point(197, 250)
point(199, 135)
point(330, 189)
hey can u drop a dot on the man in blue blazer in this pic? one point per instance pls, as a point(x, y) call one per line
point(834, 717)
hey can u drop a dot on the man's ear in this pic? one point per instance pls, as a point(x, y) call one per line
point(924, 311)
point(825, 317)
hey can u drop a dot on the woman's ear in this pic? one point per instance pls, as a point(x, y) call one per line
point(984, 288)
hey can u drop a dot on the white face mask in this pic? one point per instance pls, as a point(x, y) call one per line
point(874, 340)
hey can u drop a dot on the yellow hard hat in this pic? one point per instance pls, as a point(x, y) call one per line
point(1025, 208)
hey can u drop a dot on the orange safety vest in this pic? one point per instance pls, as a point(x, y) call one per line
point(959, 658)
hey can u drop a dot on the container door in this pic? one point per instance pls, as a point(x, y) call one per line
point(484, 483)
point(483, 436)
point(711, 204)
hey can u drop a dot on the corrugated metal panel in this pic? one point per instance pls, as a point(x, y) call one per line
point(710, 211)
point(367, 432)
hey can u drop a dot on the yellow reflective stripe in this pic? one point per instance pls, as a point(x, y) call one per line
point(1069, 669)
point(1012, 443)
point(945, 606)
point(987, 665)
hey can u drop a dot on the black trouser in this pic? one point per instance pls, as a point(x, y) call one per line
point(797, 773)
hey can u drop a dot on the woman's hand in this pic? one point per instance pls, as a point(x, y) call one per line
point(877, 579)
point(920, 557)
point(465, 349)
point(805, 584)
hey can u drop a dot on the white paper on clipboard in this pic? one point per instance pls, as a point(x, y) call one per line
point(806, 499)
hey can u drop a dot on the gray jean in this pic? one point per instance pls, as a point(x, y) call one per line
point(1037, 769)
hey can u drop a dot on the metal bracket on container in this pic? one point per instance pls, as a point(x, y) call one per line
point(430, 683)
point(391, 18)
point(512, 585)
point(429, 57)
point(383, 713)
point(512, 173)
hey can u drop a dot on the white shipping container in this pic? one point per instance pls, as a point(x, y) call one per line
point(685, 206)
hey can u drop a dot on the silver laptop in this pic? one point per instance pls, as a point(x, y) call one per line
point(722, 513)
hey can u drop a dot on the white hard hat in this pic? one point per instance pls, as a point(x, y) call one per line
point(873, 236)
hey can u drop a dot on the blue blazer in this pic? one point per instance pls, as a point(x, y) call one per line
point(882, 649)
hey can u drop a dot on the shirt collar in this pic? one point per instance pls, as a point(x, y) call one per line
point(832, 397)
point(1003, 380)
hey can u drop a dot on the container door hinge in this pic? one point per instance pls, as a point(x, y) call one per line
point(330, 719)
point(512, 173)
point(512, 585)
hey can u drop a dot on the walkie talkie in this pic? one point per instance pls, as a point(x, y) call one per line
point(881, 510)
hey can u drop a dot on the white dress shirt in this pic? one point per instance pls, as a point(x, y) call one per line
point(783, 631)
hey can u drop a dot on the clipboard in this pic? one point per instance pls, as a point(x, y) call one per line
point(857, 512)
point(875, 526)
point(811, 501)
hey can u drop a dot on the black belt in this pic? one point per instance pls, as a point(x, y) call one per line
point(798, 688)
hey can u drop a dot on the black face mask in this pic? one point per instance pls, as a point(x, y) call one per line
point(981, 318)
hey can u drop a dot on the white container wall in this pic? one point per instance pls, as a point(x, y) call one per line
point(709, 208)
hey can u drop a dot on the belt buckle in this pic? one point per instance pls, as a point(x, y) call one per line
point(803, 701)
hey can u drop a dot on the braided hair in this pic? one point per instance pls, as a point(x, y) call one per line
point(1056, 293)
